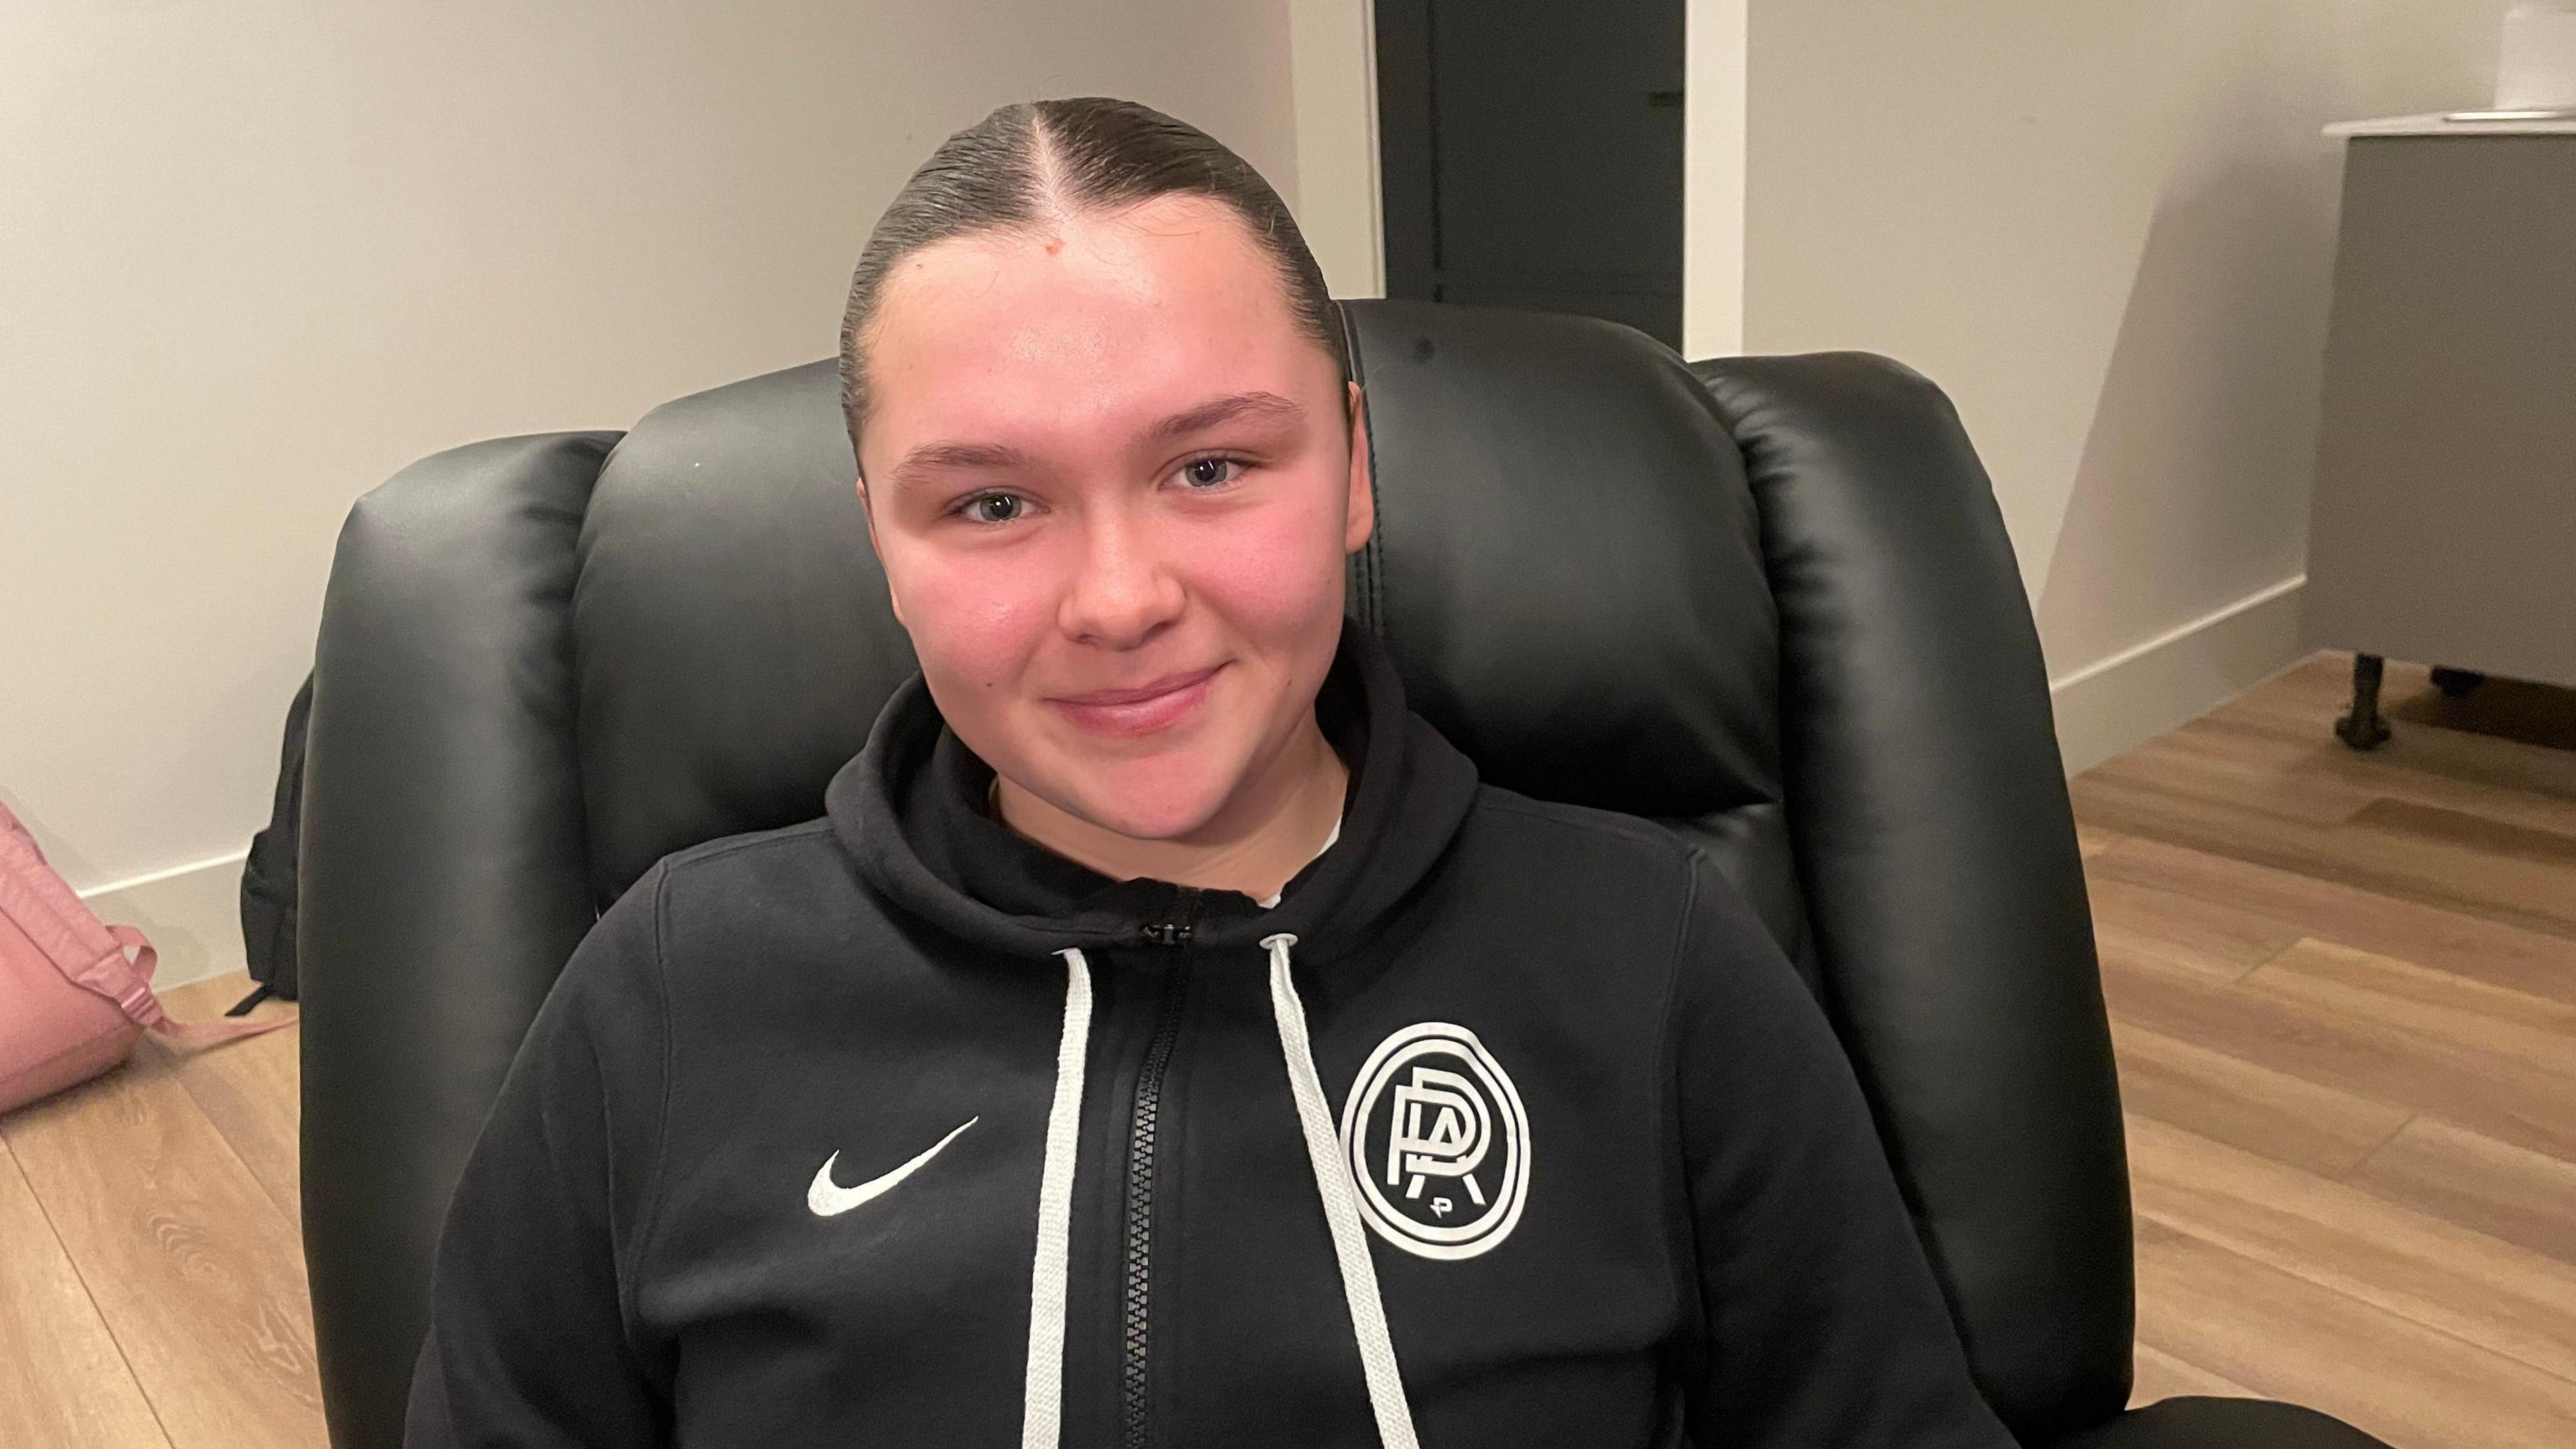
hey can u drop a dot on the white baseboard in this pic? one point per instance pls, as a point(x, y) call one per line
point(2119, 703)
point(192, 913)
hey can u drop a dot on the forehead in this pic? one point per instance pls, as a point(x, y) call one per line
point(1088, 321)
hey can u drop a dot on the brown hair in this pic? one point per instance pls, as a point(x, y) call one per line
point(1027, 163)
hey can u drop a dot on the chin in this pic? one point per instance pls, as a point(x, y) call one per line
point(1155, 799)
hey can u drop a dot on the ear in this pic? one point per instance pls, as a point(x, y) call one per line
point(1360, 511)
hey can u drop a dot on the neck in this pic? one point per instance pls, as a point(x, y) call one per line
point(1262, 837)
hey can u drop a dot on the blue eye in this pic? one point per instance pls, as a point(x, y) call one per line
point(1211, 472)
point(993, 507)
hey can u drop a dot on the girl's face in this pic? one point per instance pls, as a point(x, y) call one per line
point(1112, 486)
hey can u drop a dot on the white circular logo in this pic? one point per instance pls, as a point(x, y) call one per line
point(1437, 1143)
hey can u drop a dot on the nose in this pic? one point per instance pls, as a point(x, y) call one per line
point(1123, 592)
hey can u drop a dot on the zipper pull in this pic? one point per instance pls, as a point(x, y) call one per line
point(1175, 932)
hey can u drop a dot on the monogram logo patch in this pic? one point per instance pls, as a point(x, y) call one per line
point(1438, 1143)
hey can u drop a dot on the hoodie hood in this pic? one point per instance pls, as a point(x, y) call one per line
point(1409, 792)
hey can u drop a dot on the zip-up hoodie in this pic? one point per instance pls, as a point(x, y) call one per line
point(1507, 1125)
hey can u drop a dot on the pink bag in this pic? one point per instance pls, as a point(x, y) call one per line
point(71, 1004)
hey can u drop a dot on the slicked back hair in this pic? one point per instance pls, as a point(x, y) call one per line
point(1036, 162)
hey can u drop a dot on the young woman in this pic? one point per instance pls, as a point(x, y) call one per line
point(1164, 1039)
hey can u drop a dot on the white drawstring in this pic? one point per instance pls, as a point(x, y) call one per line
point(1042, 1392)
point(1341, 1208)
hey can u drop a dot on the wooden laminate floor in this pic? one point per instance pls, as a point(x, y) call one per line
point(2343, 990)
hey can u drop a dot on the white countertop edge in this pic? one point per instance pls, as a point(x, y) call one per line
point(2434, 125)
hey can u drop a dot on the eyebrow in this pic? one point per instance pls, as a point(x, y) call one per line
point(1257, 405)
point(935, 457)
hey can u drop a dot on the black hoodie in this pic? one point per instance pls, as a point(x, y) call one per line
point(1508, 1125)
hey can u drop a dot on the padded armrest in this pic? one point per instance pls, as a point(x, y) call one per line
point(441, 868)
point(1936, 850)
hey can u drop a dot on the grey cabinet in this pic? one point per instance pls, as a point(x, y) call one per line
point(2443, 520)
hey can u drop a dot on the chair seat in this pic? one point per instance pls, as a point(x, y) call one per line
point(2201, 1423)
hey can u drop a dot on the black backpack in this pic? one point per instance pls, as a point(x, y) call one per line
point(268, 874)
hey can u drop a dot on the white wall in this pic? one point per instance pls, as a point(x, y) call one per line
point(2107, 231)
point(1333, 57)
point(1713, 116)
point(256, 256)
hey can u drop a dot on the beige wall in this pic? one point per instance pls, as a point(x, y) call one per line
point(1333, 57)
point(254, 257)
point(2106, 230)
point(1713, 66)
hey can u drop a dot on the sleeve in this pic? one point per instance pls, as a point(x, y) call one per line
point(1822, 1323)
point(531, 1342)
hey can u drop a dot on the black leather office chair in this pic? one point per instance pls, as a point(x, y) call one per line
point(1766, 600)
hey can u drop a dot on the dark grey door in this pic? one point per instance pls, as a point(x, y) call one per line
point(1530, 153)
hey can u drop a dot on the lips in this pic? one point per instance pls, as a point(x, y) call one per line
point(1138, 709)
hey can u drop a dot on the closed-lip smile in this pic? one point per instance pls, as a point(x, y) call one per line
point(1140, 693)
point(1138, 709)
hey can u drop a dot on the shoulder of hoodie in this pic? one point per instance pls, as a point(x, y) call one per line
point(1584, 824)
point(713, 871)
point(728, 862)
point(1630, 844)
point(699, 907)
point(806, 858)
point(1700, 886)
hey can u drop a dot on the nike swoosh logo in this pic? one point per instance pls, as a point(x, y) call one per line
point(829, 1199)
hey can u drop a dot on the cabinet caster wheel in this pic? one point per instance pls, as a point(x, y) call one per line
point(2362, 734)
point(2456, 683)
point(2363, 729)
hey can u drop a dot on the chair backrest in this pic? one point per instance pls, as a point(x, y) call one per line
point(1767, 601)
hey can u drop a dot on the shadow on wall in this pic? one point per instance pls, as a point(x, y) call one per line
point(2192, 491)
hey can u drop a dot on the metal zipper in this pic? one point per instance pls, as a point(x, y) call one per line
point(1136, 1416)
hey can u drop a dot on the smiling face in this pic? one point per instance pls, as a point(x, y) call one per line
point(1112, 484)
